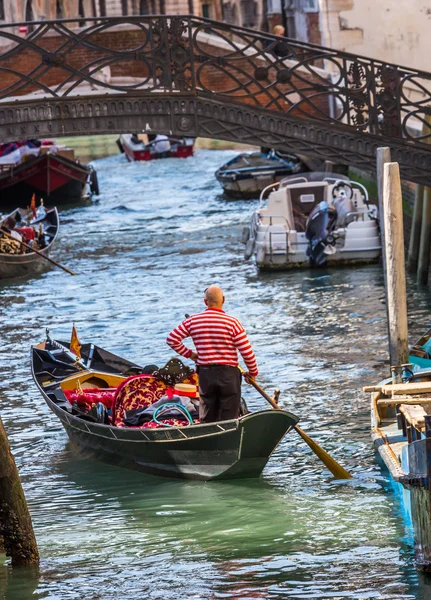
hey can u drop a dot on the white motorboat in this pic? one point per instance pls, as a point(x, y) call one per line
point(313, 219)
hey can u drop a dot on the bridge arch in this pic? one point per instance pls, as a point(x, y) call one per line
point(194, 77)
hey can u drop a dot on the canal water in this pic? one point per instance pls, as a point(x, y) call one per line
point(160, 234)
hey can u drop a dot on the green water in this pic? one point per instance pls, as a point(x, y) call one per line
point(160, 234)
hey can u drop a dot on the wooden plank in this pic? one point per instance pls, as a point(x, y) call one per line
point(414, 414)
point(421, 387)
point(404, 400)
point(372, 388)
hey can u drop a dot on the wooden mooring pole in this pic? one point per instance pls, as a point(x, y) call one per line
point(415, 234)
point(423, 263)
point(425, 240)
point(394, 265)
point(16, 528)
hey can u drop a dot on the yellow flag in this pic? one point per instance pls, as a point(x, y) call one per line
point(75, 346)
point(33, 205)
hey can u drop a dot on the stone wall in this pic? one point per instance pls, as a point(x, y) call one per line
point(393, 31)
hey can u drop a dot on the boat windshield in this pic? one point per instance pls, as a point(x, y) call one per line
point(312, 176)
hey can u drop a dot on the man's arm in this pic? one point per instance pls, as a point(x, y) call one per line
point(174, 340)
point(244, 348)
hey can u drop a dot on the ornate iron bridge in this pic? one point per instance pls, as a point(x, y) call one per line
point(189, 76)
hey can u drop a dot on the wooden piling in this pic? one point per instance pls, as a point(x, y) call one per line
point(415, 234)
point(15, 521)
point(425, 232)
point(425, 240)
point(394, 265)
point(383, 156)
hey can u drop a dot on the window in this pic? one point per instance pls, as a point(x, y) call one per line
point(206, 11)
point(81, 12)
point(29, 16)
point(102, 8)
point(59, 10)
point(274, 7)
point(248, 13)
point(144, 9)
point(2, 13)
point(124, 7)
point(310, 5)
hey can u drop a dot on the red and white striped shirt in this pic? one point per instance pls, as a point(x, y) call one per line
point(218, 338)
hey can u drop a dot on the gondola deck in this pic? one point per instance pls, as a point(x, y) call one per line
point(237, 448)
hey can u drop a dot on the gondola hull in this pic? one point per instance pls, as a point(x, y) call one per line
point(226, 450)
point(12, 266)
point(237, 448)
point(22, 265)
point(246, 175)
point(49, 176)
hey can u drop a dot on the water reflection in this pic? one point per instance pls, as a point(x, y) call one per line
point(159, 236)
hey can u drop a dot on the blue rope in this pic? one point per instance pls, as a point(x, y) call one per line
point(177, 405)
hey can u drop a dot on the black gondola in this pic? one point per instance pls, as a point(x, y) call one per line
point(236, 448)
point(246, 175)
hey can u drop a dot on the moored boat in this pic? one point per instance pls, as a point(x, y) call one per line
point(22, 261)
point(313, 219)
point(93, 396)
point(46, 170)
point(150, 147)
point(246, 175)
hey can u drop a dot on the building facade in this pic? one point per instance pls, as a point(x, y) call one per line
point(395, 32)
point(38, 10)
point(245, 13)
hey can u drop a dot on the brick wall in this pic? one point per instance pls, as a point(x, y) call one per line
point(220, 76)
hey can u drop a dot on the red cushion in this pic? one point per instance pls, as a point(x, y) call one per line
point(88, 397)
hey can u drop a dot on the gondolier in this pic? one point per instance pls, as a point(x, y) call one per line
point(218, 338)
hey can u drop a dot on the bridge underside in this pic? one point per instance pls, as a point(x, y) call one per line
point(192, 115)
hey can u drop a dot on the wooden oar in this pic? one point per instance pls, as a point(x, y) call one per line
point(38, 252)
point(336, 469)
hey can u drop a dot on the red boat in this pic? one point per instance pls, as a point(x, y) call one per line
point(44, 169)
point(151, 147)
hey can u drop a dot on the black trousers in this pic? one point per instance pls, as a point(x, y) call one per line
point(219, 392)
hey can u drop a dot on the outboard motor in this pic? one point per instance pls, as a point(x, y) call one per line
point(318, 232)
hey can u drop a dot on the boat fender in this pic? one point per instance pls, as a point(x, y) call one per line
point(245, 235)
point(249, 248)
point(120, 145)
point(260, 254)
point(94, 183)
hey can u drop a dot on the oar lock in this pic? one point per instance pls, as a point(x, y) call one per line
point(276, 396)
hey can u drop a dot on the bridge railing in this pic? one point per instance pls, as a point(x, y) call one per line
point(150, 55)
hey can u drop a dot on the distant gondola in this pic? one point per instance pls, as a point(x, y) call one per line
point(237, 448)
point(246, 175)
point(142, 148)
point(25, 263)
point(44, 169)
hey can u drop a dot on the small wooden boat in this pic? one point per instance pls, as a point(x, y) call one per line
point(401, 432)
point(50, 172)
point(27, 262)
point(236, 448)
point(140, 147)
point(246, 175)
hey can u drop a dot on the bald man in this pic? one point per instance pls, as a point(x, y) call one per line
point(218, 338)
